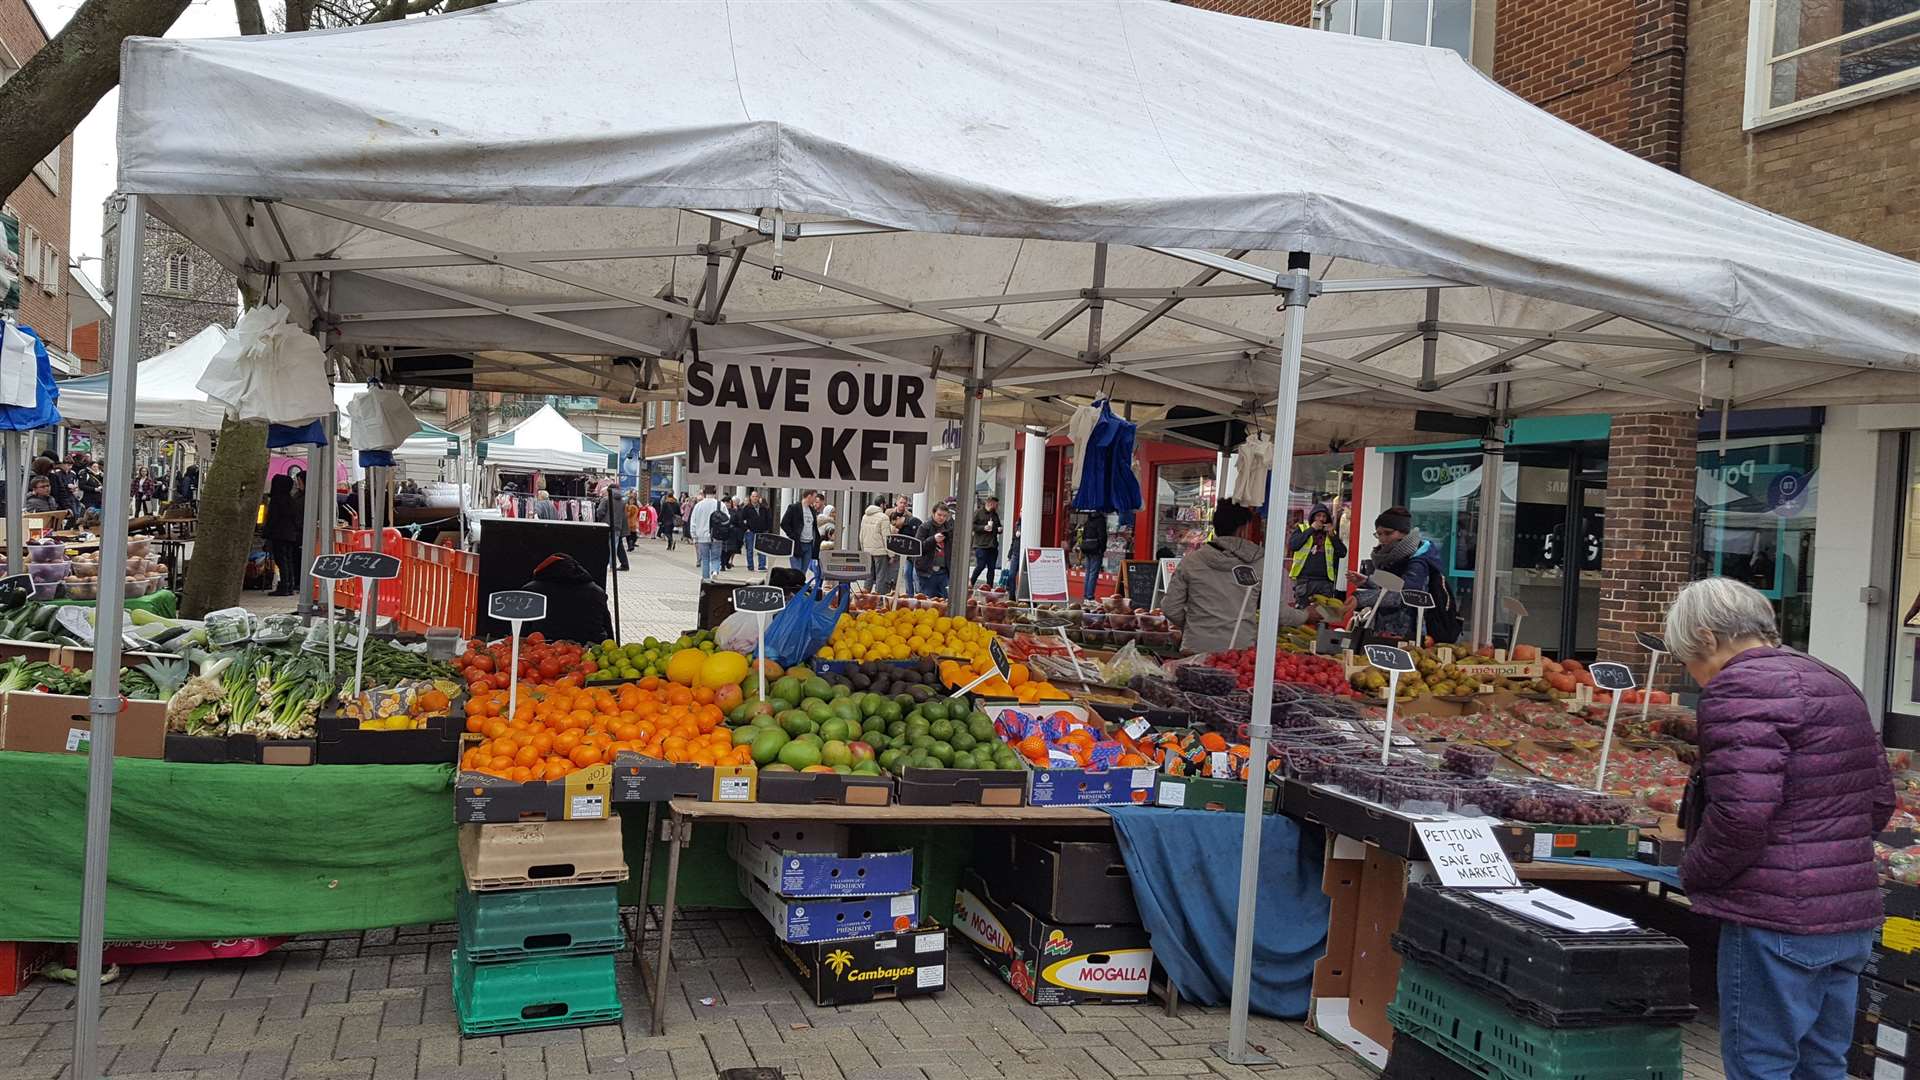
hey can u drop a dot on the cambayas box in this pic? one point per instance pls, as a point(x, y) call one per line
point(852, 971)
point(1053, 964)
point(62, 724)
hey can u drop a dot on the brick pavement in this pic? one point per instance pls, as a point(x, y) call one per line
point(379, 1005)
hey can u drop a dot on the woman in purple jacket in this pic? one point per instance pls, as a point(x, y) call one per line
point(1791, 787)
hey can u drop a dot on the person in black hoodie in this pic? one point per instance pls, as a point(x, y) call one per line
point(1093, 547)
point(669, 518)
point(576, 606)
point(754, 518)
point(282, 532)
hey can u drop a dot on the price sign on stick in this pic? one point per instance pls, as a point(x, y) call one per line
point(16, 581)
point(514, 607)
point(1519, 611)
point(1619, 679)
point(1656, 647)
point(368, 566)
point(1392, 661)
point(1420, 602)
point(902, 544)
point(1385, 583)
point(1000, 667)
point(1244, 577)
point(760, 601)
point(330, 569)
point(770, 543)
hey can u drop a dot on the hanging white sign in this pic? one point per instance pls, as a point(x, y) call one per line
point(810, 423)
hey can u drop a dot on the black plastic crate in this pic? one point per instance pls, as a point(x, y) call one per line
point(1555, 978)
point(1414, 1060)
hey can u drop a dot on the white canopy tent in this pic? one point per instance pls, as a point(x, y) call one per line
point(169, 397)
point(548, 441)
point(430, 444)
point(1040, 200)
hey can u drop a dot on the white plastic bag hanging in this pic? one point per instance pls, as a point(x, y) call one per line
point(269, 370)
point(19, 368)
point(381, 419)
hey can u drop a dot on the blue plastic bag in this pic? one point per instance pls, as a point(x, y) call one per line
point(805, 624)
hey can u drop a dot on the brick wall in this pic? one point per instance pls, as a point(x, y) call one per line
point(1648, 551)
point(1613, 68)
point(1854, 171)
point(1291, 12)
point(49, 211)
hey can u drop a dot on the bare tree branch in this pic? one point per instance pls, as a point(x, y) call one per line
point(47, 99)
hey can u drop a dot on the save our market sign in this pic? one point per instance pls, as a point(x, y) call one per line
point(812, 423)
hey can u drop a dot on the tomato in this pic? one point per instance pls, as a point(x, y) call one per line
point(483, 663)
point(536, 638)
point(501, 680)
point(550, 667)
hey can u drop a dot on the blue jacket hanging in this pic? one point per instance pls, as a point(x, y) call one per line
point(1107, 480)
point(46, 392)
point(313, 433)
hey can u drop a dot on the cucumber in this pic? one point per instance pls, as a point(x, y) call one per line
point(43, 618)
point(42, 637)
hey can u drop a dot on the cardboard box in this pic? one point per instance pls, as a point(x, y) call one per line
point(482, 799)
point(825, 789)
point(62, 724)
point(817, 869)
point(1206, 793)
point(1088, 787)
point(1060, 877)
point(1870, 1061)
point(852, 971)
point(39, 652)
point(961, 787)
point(1586, 841)
point(1050, 963)
point(803, 922)
point(1902, 900)
point(1886, 1003)
point(534, 854)
point(1895, 968)
point(1386, 829)
point(1659, 850)
point(239, 750)
point(637, 778)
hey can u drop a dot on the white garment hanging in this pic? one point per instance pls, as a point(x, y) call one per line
point(1253, 472)
point(19, 367)
point(1080, 429)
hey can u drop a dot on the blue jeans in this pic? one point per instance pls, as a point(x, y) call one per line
point(1093, 580)
point(1787, 1001)
point(934, 584)
point(755, 559)
point(805, 555)
point(709, 556)
point(910, 581)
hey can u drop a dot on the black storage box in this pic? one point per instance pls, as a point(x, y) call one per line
point(852, 971)
point(1059, 878)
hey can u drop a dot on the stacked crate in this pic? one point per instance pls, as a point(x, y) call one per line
point(539, 914)
point(1886, 1030)
point(1489, 994)
point(848, 922)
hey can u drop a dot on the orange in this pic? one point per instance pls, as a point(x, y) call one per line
point(585, 755)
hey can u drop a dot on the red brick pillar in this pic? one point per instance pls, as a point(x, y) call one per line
point(1647, 553)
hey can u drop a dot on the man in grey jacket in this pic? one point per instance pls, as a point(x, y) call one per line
point(1213, 610)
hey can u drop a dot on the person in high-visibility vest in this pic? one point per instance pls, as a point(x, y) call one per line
point(1316, 550)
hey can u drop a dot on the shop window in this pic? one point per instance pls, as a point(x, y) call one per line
point(1754, 505)
point(1444, 24)
point(1904, 694)
point(1809, 56)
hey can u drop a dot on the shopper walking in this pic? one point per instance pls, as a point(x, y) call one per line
point(1206, 600)
point(618, 529)
point(700, 529)
point(936, 538)
point(1315, 551)
point(910, 525)
point(1093, 550)
point(282, 533)
point(727, 532)
point(874, 530)
point(801, 524)
point(635, 516)
point(986, 541)
point(669, 518)
point(757, 518)
point(1781, 811)
point(1400, 550)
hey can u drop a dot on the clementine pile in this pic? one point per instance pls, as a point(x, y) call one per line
point(558, 729)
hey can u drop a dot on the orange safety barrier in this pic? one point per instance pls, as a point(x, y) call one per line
point(437, 586)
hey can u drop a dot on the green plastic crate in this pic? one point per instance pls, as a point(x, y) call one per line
point(526, 924)
point(1477, 1032)
point(528, 995)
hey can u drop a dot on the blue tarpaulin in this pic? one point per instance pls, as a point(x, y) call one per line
point(1185, 867)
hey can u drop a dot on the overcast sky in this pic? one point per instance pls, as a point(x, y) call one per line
point(94, 161)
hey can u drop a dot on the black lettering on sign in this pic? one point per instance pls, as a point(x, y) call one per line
point(1608, 675)
point(768, 543)
point(798, 379)
point(909, 443)
point(1244, 577)
point(511, 605)
point(795, 443)
point(733, 388)
point(699, 376)
point(843, 392)
point(759, 598)
point(902, 544)
point(1388, 658)
point(1651, 642)
point(873, 456)
point(325, 567)
point(754, 458)
point(709, 446)
point(879, 393)
point(833, 453)
point(1416, 598)
point(372, 564)
point(910, 391)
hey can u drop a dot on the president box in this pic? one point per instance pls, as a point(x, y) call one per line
point(1088, 787)
point(853, 971)
point(818, 865)
point(802, 922)
point(1050, 963)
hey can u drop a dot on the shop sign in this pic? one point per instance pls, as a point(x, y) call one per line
point(1465, 852)
point(810, 423)
point(1047, 574)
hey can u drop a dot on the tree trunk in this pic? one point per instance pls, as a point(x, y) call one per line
point(45, 100)
point(247, 14)
point(230, 490)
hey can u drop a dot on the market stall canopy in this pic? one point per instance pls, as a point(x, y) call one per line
point(1107, 192)
point(546, 440)
point(168, 395)
point(431, 443)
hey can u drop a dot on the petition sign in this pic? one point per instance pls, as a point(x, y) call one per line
point(810, 423)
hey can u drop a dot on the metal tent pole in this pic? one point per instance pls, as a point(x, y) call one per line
point(960, 548)
point(1273, 575)
point(310, 527)
point(1486, 547)
point(108, 609)
point(16, 497)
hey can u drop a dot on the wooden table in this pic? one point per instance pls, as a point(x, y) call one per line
point(683, 814)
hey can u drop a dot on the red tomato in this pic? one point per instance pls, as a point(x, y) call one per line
point(483, 662)
point(550, 667)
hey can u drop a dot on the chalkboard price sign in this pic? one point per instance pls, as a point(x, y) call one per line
point(1416, 598)
point(771, 543)
point(517, 605)
point(330, 567)
point(902, 544)
point(1388, 658)
point(1244, 576)
point(1611, 676)
point(1650, 642)
point(1141, 576)
point(999, 657)
point(16, 581)
point(371, 564)
point(759, 598)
